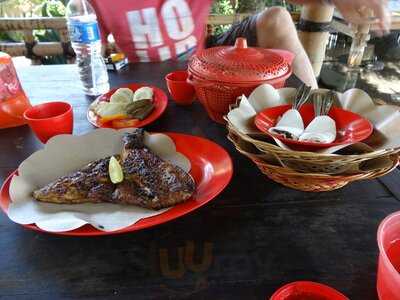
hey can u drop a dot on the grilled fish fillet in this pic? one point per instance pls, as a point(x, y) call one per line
point(149, 181)
point(90, 184)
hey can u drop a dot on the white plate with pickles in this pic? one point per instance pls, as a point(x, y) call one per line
point(133, 105)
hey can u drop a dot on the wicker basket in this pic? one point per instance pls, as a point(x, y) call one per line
point(308, 162)
point(309, 182)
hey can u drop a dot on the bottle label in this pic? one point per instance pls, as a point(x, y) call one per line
point(84, 32)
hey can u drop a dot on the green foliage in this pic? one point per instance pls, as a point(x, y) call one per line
point(38, 8)
point(225, 7)
point(53, 8)
point(222, 7)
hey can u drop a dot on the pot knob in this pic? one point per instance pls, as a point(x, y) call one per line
point(241, 43)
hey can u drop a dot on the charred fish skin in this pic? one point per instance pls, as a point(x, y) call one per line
point(149, 181)
point(134, 140)
point(91, 184)
point(157, 183)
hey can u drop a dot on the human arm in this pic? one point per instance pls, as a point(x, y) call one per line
point(356, 11)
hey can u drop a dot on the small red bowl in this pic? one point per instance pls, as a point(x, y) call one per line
point(50, 119)
point(307, 290)
point(181, 91)
point(351, 128)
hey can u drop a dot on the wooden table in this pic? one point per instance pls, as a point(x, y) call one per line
point(253, 238)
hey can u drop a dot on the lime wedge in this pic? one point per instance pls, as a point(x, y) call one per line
point(115, 171)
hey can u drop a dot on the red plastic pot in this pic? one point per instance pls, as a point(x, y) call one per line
point(221, 74)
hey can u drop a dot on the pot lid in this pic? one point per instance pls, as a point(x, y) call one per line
point(240, 63)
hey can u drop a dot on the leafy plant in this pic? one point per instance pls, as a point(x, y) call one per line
point(51, 8)
point(34, 8)
point(229, 7)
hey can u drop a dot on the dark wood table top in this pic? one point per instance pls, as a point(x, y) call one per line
point(253, 238)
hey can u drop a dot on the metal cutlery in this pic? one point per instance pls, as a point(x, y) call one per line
point(323, 102)
point(301, 97)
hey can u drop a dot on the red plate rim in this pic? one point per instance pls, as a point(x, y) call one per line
point(318, 289)
point(175, 212)
point(258, 121)
point(161, 102)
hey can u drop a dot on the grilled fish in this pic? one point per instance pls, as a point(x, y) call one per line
point(149, 181)
point(89, 184)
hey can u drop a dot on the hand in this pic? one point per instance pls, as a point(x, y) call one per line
point(358, 12)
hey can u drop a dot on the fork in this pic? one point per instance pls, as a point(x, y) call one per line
point(301, 97)
point(323, 102)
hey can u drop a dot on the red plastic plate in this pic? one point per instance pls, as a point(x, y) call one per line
point(351, 128)
point(211, 169)
point(300, 290)
point(160, 101)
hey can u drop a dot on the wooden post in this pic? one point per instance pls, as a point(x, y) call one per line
point(314, 32)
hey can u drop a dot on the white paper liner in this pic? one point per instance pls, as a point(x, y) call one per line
point(64, 154)
point(385, 119)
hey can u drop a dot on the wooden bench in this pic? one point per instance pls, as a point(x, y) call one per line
point(30, 47)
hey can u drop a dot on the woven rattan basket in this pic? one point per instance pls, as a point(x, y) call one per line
point(308, 162)
point(309, 182)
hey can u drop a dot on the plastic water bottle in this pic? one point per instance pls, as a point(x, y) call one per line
point(85, 37)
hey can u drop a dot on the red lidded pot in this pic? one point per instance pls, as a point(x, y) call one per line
point(221, 74)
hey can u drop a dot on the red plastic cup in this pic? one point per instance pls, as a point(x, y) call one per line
point(181, 91)
point(50, 119)
point(307, 290)
point(388, 283)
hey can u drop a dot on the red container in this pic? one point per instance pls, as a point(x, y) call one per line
point(388, 284)
point(50, 119)
point(221, 74)
point(13, 101)
point(307, 290)
point(181, 91)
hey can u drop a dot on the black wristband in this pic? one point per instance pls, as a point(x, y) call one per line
point(310, 26)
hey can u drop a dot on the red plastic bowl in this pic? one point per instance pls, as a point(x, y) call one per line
point(181, 91)
point(351, 128)
point(307, 290)
point(50, 119)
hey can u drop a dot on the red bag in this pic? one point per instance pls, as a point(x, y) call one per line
point(13, 101)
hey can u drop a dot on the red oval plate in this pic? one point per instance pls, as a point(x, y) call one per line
point(351, 128)
point(307, 290)
point(160, 101)
point(211, 169)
